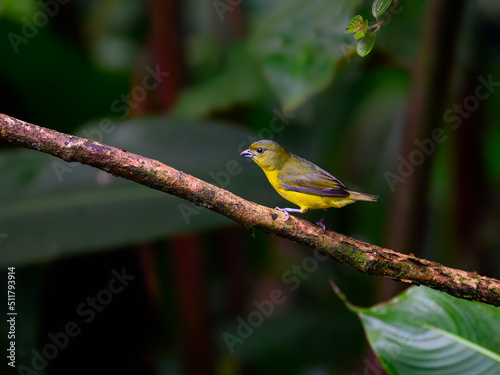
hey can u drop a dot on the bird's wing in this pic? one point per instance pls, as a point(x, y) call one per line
point(306, 177)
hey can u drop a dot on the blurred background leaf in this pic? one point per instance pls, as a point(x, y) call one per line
point(240, 82)
point(298, 43)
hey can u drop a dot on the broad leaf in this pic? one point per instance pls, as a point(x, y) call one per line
point(298, 44)
point(423, 331)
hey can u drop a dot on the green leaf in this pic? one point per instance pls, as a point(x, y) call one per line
point(298, 44)
point(366, 44)
point(423, 331)
point(355, 24)
point(379, 7)
point(50, 208)
point(362, 31)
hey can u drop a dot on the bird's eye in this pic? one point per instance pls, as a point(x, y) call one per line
point(260, 150)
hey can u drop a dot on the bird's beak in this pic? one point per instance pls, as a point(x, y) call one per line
point(247, 154)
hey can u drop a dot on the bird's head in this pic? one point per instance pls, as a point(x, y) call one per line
point(267, 154)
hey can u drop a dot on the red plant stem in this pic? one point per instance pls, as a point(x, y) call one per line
point(380, 23)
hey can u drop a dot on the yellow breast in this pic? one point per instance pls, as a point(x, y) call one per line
point(306, 201)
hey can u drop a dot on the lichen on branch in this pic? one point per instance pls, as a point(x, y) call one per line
point(365, 257)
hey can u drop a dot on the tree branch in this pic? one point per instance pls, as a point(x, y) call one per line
point(364, 257)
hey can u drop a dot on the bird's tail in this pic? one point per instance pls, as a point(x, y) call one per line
point(362, 196)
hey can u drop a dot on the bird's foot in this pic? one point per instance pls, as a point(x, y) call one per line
point(285, 211)
point(288, 210)
point(320, 223)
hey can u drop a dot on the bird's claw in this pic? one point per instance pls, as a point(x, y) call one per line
point(285, 211)
point(320, 223)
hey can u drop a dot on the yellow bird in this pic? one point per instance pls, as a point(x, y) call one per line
point(300, 181)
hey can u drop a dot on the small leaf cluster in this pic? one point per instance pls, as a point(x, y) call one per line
point(359, 26)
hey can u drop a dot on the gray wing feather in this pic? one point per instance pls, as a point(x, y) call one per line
point(320, 182)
